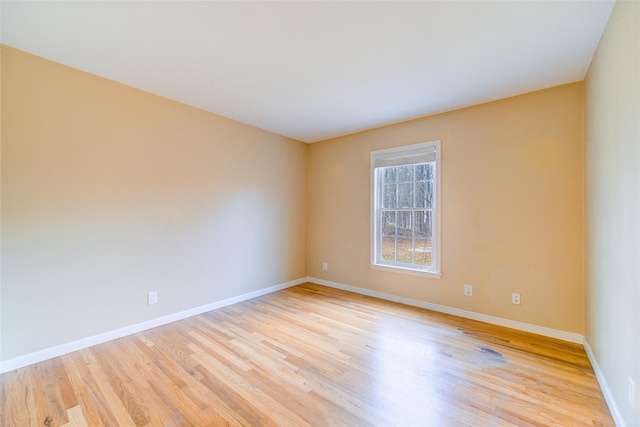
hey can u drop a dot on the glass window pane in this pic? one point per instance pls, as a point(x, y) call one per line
point(423, 224)
point(405, 195)
point(421, 194)
point(388, 224)
point(405, 223)
point(422, 252)
point(389, 175)
point(429, 171)
point(419, 224)
point(388, 248)
point(389, 196)
point(405, 250)
point(405, 173)
point(429, 194)
point(421, 172)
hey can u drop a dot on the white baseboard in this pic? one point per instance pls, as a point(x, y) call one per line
point(608, 397)
point(59, 350)
point(527, 327)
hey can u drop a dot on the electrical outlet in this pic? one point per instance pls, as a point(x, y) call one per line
point(632, 394)
point(515, 298)
point(152, 298)
point(325, 266)
point(468, 290)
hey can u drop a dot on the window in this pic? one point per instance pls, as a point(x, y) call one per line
point(405, 218)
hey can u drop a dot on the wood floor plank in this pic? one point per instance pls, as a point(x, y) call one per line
point(272, 409)
point(229, 403)
point(312, 356)
point(115, 405)
point(18, 405)
point(49, 401)
point(123, 382)
point(93, 404)
point(175, 393)
point(76, 417)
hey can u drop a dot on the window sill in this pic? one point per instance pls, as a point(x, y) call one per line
point(406, 271)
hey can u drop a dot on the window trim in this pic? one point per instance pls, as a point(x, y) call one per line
point(407, 151)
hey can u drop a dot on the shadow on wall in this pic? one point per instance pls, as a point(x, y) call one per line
point(89, 271)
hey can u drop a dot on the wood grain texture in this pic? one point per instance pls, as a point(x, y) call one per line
point(312, 356)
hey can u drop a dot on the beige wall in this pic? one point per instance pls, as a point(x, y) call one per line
point(612, 141)
point(512, 208)
point(109, 192)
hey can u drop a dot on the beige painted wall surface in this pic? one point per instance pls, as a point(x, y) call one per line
point(612, 228)
point(512, 208)
point(109, 192)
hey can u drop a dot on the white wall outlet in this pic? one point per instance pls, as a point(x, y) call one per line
point(325, 266)
point(468, 290)
point(152, 298)
point(515, 298)
point(632, 394)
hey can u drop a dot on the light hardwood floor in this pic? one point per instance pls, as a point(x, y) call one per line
point(312, 355)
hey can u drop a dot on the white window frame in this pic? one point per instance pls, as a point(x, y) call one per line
point(398, 156)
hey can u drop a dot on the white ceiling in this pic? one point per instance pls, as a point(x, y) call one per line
point(316, 70)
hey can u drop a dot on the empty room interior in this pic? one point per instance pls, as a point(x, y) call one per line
point(320, 213)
